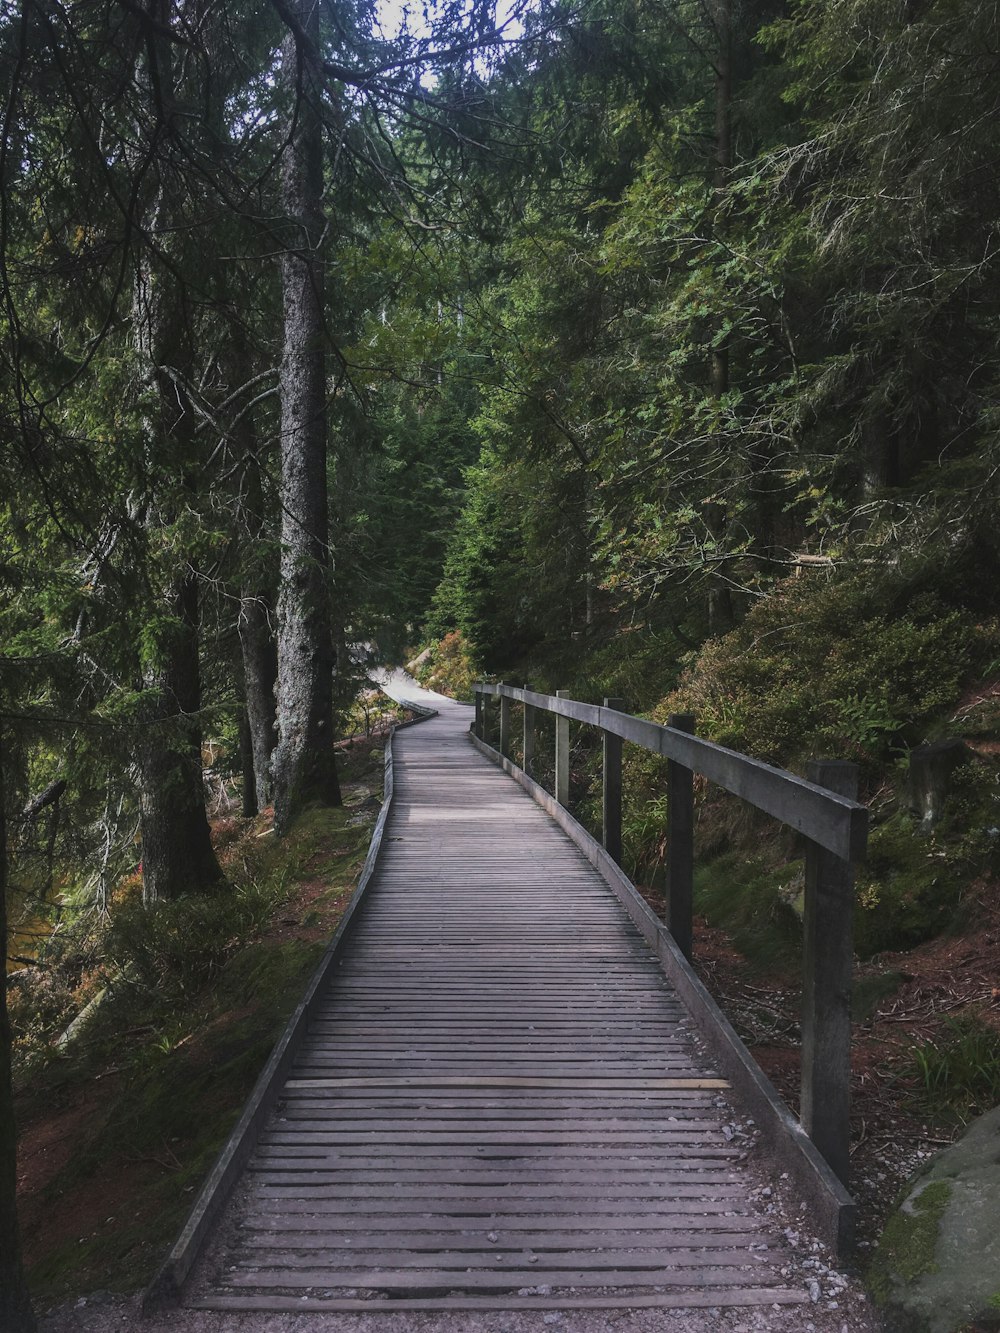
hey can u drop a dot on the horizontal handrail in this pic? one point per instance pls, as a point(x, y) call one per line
point(834, 822)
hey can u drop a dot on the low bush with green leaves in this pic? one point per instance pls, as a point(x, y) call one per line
point(449, 667)
point(175, 949)
point(842, 668)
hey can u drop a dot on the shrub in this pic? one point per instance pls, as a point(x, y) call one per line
point(831, 669)
point(449, 668)
point(176, 948)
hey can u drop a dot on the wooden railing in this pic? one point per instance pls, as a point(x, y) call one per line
point(822, 807)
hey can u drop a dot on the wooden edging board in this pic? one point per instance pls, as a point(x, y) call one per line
point(164, 1292)
point(832, 1207)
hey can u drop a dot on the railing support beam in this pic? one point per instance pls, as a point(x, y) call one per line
point(528, 746)
point(562, 755)
point(505, 726)
point(680, 844)
point(826, 996)
point(611, 822)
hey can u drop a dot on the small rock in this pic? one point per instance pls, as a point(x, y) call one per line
point(812, 1286)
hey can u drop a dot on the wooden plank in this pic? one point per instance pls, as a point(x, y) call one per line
point(499, 1177)
point(529, 1230)
point(680, 845)
point(504, 1262)
point(377, 1122)
point(608, 1213)
point(690, 1300)
point(562, 757)
point(396, 1280)
point(472, 1245)
point(505, 1081)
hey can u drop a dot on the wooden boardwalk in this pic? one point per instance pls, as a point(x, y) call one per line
point(500, 1104)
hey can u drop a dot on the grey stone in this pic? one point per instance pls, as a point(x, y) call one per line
point(937, 1268)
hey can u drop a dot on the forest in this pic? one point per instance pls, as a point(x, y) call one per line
point(636, 348)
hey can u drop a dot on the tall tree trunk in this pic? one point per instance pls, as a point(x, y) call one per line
point(259, 651)
point(303, 764)
point(260, 673)
point(15, 1304)
point(250, 804)
point(177, 852)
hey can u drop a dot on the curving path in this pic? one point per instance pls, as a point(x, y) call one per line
point(500, 1105)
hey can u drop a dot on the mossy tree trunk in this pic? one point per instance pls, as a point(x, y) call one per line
point(303, 764)
point(15, 1304)
point(177, 853)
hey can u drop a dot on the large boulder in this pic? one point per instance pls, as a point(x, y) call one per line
point(937, 1267)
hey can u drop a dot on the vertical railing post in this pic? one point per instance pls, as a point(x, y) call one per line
point(562, 755)
point(680, 844)
point(479, 715)
point(528, 747)
point(828, 930)
point(611, 822)
point(505, 725)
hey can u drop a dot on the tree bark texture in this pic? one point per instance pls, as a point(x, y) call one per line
point(177, 852)
point(250, 808)
point(303, 764)
point(15, 1304)
point(178, 855)
point(256, 627)
point(260, 674)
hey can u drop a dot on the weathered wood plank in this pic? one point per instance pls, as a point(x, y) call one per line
point(690, 1300)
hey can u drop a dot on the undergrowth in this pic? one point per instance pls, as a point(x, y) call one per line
point(448, 667)
point(958, 1073)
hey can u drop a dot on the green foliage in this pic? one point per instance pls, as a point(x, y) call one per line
point(908, 890)
point(175, 949)
point(754, 902)
point(839, 668)
point(958, 1072)
point(448, 667)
